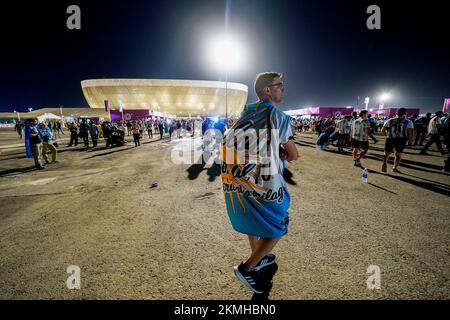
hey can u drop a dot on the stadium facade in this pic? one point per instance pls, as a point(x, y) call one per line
point(176, 97)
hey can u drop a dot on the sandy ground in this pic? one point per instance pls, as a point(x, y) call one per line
point(95, 209)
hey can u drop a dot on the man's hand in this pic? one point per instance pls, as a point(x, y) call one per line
point(291, 151)
point(283, 154)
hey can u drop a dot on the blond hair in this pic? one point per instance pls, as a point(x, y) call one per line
point(263, 80)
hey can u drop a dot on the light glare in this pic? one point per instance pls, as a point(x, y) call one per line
point(226, 53)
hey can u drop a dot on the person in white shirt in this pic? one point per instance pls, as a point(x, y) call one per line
point(433, 133)
point(360, 138)
point(399, 131)
point(343, 128)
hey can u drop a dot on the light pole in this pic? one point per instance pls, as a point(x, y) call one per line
point(18, 115)
point(120, 107)
point(226, 95)
point(366, 102)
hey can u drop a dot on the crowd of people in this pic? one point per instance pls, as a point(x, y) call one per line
point(55, 128)
point(42, 137)
point(38, 140)
point(354, 132)
point(350, 132)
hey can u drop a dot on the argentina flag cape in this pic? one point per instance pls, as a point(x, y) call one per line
point(256, 197)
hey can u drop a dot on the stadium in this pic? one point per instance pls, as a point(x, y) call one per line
point(149, 97)
point(177, 97)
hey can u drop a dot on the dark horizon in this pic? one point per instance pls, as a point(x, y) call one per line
point(324, 49)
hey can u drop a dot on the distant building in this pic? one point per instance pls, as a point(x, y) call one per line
point(175, 97)
point(321, 111)
point(334, 111)
point(390, 112)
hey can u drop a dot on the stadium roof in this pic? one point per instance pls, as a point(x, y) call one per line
point(180, 97)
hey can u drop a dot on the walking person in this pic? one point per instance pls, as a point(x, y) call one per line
point(128, 124)
point(47, 142)
point(34, 141)
point(59, 127)
point(372, 125)
point(84, 133)
point(150, 129)
point(161, 129)
point(141, 129)
point(343, 128)
point(433, 133)
point(93, 130)
point(73, 134)
point(54, 130)
point(399, 131)
point(19, 128)
point(446, 132)
point(100, 130)
point(135, 128)
point(421, 127)
point(257, 201)
point(360, 138)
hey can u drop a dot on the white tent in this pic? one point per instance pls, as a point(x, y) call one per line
point(48, 116)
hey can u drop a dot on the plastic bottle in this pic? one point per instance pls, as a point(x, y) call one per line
point(365, 176)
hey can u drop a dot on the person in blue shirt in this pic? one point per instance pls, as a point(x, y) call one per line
point(93, 130)
point(256, 193)
point(220, 125)
point(47, 142)
point(33, 143)
point(372, 124)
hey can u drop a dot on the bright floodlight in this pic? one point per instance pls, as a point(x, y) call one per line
point(385, 96)
point(226, 53)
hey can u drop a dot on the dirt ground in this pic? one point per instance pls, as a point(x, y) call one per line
point(95, 209)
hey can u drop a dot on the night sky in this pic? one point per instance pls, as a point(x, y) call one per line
point(324, 49)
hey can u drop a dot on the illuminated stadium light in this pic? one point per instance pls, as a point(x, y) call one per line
point(226, 53)
point(385, 96)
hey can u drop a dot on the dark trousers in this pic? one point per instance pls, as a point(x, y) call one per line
point(94, 138)
point(161, 133)
point(435, 138)
point(447, 162)
point(73, 139)
point(150, 133)
point(86, 140)
point(136, 137)
point(421, 135)
point(447, 154)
